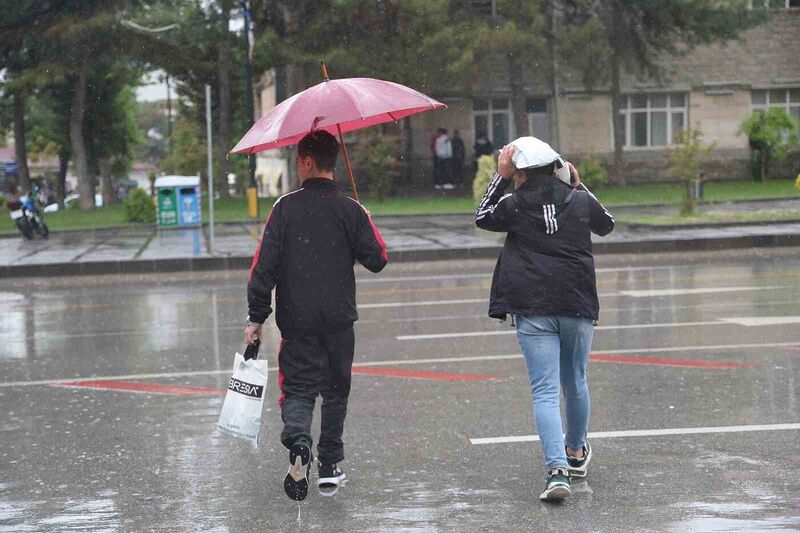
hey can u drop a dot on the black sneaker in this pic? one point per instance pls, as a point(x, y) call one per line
point(330, 476)
point(578, 467)
point(557, 486)
point(296, 482)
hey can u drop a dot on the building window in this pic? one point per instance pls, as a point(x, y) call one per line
point(774, 4)
point(494, 118)
point(653, 119)
point(788, 99)
point(538, 119)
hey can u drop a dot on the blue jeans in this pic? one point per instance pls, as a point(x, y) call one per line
point(556, 351)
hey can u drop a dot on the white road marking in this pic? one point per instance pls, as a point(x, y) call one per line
point(435, 277)
point(395, 362)
point(648, 433)
point(704, 290)
point(513, 331)
point(422, 303)
point(762, 320)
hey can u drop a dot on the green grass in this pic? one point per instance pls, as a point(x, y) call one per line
point(714, 192)
point(235, 209)
point(764, 215)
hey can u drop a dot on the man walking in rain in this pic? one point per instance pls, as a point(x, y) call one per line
point(545, 279)
point(311, 240)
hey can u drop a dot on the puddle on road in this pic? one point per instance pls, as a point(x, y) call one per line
point(99, 514)
point(736, 516)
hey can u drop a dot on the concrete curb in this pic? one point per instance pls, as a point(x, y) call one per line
point(200, 264)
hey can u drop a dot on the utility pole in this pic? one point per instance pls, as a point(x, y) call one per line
point(210, 162)
point(554, 118)
point(169, 116)
point(252, 188)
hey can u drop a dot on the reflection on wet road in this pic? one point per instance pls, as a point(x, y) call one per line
point(111, 387)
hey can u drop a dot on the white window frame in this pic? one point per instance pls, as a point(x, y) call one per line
point(627, 113)
point(787, 104)
point(489, 122)
point(541, 114)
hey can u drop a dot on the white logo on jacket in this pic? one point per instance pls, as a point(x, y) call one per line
point(550, 222)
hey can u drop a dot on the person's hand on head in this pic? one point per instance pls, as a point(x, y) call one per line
point(576, 178)
point(505, 162)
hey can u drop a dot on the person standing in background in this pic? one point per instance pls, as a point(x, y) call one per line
point(459, 154)
point(444, 155)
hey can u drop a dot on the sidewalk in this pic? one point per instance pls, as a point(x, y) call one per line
point(408, 238)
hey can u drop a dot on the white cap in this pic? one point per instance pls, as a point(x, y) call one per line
point(530, 152)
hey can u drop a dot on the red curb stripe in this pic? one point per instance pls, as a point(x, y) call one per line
point(137, 386)
point(419, 374)
point(660, 361)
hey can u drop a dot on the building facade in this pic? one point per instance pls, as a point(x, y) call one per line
point(713, 87)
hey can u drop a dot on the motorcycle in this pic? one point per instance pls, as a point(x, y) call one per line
point(27, 217)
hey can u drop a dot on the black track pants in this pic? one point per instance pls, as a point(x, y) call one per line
point(308, 367)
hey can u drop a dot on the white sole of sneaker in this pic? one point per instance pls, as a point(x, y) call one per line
point(331, 481)
point(555, 493)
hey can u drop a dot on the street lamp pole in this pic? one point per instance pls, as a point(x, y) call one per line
point(252, 188)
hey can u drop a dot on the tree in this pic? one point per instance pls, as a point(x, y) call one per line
point(188, 155)
point(195, 58)
point(520, 40)
point(432, 46)
point(773, 134)
point(49, 114)
point(686, 160)
point(620, 35)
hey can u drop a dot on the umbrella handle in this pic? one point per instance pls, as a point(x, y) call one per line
point(347, 162)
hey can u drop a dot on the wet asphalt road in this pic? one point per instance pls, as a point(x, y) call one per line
point(709, 341)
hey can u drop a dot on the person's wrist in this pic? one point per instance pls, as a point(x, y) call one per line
point(505, 175)
point(251, 323)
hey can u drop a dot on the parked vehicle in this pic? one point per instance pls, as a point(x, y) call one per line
point(28, 217)
point(52, 208)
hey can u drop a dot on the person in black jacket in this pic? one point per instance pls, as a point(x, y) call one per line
point(311, 240)
point(545, 279)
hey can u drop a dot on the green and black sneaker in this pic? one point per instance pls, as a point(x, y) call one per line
point(557, 486)
point(578, 468)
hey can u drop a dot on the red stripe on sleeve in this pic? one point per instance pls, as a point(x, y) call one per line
point(258, 249)
point(379, 238)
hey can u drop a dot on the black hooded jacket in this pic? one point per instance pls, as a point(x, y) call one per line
point(311, 240)
point(546, 267)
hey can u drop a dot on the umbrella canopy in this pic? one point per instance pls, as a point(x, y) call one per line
point(336, 106)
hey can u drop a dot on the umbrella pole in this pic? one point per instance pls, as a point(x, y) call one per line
point(347, 162)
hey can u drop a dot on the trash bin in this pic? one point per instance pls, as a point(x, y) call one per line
point(178, 200)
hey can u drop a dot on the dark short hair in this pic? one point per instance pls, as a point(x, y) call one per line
point(322, 147)
point(546, 171)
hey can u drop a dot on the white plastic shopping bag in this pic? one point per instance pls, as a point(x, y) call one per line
point(241, 412)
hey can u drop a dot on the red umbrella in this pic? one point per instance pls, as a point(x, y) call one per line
point(336, 106)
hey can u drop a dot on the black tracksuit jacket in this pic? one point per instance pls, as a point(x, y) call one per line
point(546, 267)
point(311, 240)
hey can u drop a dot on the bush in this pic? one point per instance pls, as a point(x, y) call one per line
point(139, 207)
point(772, 135)
point(487, 166)
point(592, 172)
point(379, 160)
